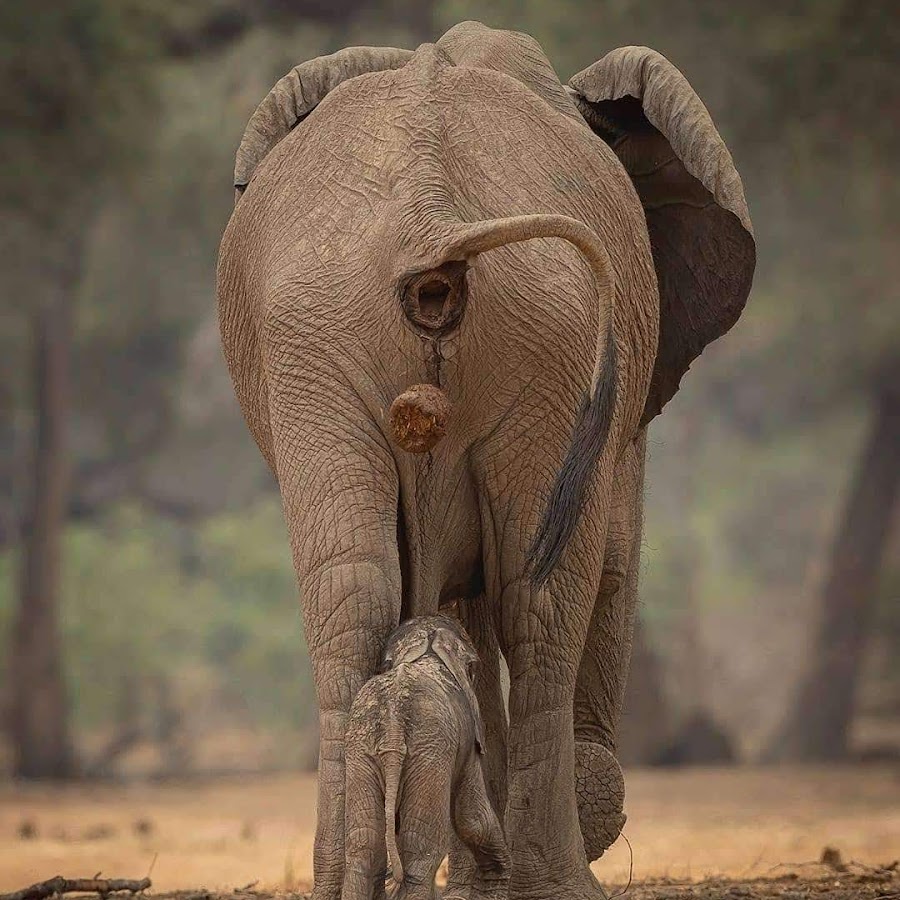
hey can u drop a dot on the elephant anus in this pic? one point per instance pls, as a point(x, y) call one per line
point(414, 741)
point(531, 269)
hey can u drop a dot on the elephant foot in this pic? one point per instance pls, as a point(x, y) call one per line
point(326, 893)
point(582, 886)
point(467, 883)
point(458, 892)
point(600, 788)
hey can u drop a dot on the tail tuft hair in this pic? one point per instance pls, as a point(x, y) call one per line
point(573, 481)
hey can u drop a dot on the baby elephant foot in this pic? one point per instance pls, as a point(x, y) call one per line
point(600, 788)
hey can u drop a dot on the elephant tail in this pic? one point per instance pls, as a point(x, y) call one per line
point(392, 755)
point(592, 426)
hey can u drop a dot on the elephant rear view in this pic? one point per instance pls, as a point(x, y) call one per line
point(413, 745)
point(446, 251)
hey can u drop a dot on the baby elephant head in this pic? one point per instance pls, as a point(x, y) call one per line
point(446, 639)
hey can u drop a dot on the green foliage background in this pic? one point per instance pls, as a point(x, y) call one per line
point(212, 610)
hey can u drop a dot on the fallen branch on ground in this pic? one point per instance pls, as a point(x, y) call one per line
point(60, 885)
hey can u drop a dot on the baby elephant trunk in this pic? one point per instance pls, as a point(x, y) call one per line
point(392, 758)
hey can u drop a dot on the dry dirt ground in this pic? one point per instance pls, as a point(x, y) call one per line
point(703, 833)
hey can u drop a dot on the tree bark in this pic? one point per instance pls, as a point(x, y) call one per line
point(39, 709)
point(818, 724)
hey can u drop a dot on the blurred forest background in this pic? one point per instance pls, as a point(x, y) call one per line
point(148, 614)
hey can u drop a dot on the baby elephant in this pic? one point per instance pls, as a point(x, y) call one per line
point(414, 772)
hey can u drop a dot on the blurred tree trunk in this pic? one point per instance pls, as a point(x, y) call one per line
point(39, 709)
point(817, 726)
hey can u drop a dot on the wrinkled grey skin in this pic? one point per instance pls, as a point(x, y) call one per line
point(361, 170)
point(414, 778)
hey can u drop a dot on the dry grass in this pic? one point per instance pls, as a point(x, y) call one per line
point(684, 826)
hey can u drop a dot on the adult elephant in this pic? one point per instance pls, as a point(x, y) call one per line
point(552, 259)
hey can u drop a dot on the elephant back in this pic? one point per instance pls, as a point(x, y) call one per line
point(473, 45)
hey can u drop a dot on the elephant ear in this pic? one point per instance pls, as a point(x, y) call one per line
point(297, 94)
point(406, 649)
point(697, 217)
point(458, 658)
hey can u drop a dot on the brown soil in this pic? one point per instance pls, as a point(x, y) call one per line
point(762, 830)
point(881, 884)
point(865, 884)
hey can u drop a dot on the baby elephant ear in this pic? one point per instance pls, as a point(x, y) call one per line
point(457, 657)
point(297, 94)
point(413, 647)
point(697, 217)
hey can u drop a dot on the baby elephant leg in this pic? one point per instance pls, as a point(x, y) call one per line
point(477, 618)
point(424, 832)
point(366, 858)
point(478, 827)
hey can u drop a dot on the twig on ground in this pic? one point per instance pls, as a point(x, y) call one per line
point(872, 870)
point(793, 865)
point(755, 863)
point(60, 885)
point(630, 869)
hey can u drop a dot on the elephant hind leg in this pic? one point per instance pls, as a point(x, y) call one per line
point(424, 825)
point(477, 826)
point(366, 857)
point(600, 688)
point(341, 521)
